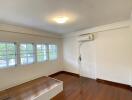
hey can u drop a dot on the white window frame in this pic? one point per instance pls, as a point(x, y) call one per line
point(47, 58)
point(18, 53)
point(56, 52)
point(6, 54)
point(34, 55)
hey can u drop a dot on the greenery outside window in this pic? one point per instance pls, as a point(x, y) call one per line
point(26, 53)
point(7, 54)
point(41, 52)
point(52, 52)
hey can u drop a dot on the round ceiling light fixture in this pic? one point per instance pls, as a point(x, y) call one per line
point(61, 19)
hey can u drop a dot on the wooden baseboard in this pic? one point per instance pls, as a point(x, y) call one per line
point(55, 74)
point(64, 72)
point(124, 86)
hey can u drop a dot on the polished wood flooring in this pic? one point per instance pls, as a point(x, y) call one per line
point(76, 88)
point(29, 90)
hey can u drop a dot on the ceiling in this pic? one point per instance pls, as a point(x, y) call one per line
point(83, 13)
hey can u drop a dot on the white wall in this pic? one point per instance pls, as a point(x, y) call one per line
point(113, 54)
point(17, 75)
point(70, 54)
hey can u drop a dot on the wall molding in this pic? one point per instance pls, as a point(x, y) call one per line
point(28, 31)
point(115, 84)
point(116, 25)
point(64, 72)
point(119, 85)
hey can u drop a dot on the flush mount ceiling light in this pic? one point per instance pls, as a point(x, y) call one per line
point(61, 19)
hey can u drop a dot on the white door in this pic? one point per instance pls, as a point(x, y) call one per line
point(88, 63)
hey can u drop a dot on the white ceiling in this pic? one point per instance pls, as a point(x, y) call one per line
point(86, 13)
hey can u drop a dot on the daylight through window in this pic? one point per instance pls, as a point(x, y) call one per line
point(26, 53)
point(7, 54)
point(52, 52)
point(41, 52)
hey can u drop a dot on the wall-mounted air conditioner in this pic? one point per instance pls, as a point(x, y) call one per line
point(86, 37)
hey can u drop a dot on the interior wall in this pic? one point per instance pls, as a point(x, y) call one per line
point(70, 54)
point(113, 54)
point(16, 75)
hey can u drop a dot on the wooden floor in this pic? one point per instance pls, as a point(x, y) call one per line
point(76, 88)
point(29, 90)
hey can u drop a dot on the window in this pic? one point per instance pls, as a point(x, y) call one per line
point(41, 52)
point(26, 53)
point(7, 54)
point(52, 52)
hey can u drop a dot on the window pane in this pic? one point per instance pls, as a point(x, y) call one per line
point(7, 54)
point(52, 52)
point(11, 52)
point(39, 47)
point(3, 63)
point(2, 46)
point(43, 47)
point(2, 52)
point(23, 51)
point(2, 56)
point(41, 52)
point(30, 47)
point(23, 55)
point(11, 56)
point(23, 60)
point(23, 47)
point(29, 51)
point(41, 58)
point(12, 62)
point(11, 46)
point(52, 56)
point(26, 53)
point(30, 59)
